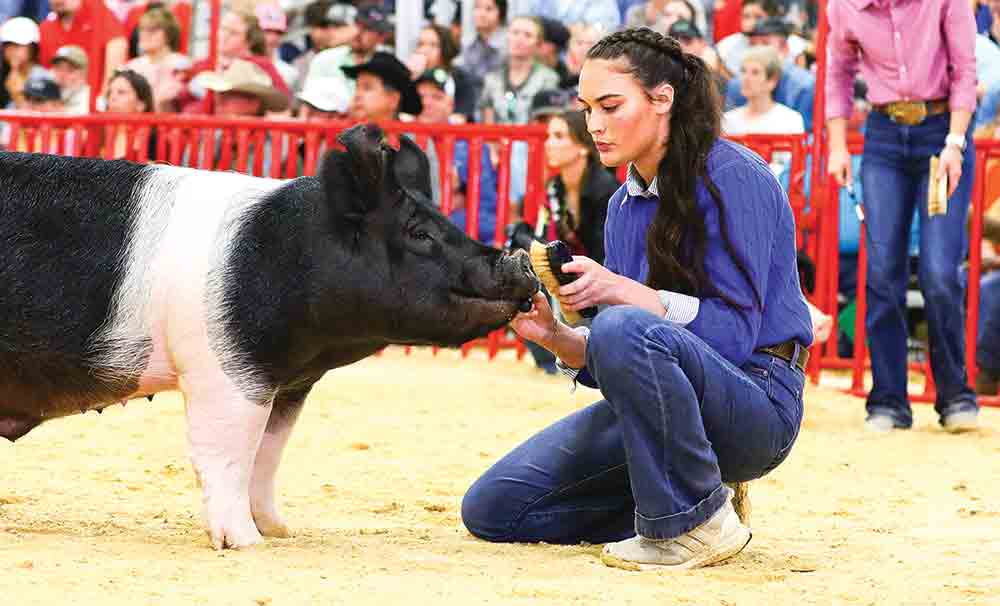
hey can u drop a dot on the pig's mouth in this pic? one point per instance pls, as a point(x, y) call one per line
point(500, 310)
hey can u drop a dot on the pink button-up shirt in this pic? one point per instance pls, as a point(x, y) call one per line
point(906, 49)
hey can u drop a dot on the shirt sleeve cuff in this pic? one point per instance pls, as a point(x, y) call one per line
point(569, 371)
point(681, 309)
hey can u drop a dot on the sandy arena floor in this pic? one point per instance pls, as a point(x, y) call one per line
point(104, 509)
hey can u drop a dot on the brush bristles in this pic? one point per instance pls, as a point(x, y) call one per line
point(540, 263)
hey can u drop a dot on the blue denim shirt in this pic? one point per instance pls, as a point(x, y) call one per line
point(761, 229)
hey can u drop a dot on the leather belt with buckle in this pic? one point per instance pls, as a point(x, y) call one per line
point(791, 352)
point(911, 113)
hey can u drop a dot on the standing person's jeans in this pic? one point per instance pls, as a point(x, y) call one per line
point(894, 174)
point(677, 420)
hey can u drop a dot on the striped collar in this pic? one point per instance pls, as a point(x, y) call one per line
point(636, 186)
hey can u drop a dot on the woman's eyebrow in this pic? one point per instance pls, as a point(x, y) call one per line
point(599, 99)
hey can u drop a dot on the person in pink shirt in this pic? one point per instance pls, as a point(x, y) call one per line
point(918, 59)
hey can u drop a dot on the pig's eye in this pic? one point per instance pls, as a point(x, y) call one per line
point(421, 235)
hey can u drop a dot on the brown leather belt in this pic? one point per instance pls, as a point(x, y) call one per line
point(912, 113)
point(791, 352)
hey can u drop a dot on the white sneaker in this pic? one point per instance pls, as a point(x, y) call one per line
point(718, 539)
point(958, 422)
point(879, 423)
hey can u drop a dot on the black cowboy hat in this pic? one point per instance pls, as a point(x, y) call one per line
point(395, 75)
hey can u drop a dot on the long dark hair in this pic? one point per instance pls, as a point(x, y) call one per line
point(449, 48)
point(676, 240)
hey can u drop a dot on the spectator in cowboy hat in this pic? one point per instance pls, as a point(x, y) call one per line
point(69, 69)
point(244, 89)
point(384, 89)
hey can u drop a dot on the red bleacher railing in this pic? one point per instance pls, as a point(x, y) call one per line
point(287, 148)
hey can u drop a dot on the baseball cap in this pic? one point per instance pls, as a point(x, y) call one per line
point(394, 74)
point(684, 30)
point(341, 14)
point(19, 30)
point(548, 102)
point(40, 88)
point(375, 19)
point(326, 94)
point(72, 54)
point(271, 18)
point(771, 25)
point(440, 78)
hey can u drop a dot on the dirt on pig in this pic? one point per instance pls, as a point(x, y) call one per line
point(103, 509)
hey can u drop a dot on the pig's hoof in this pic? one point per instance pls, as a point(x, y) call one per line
point(235, 538)
point(272, 527)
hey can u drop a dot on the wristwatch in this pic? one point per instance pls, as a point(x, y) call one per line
point(956, 140)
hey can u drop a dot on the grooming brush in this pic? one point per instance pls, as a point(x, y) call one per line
point(937, 191)
point(547, 261)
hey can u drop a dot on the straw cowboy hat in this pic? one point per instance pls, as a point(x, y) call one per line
point(245, 77)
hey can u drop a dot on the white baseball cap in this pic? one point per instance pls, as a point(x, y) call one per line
point(19, 30)
point(328, 94)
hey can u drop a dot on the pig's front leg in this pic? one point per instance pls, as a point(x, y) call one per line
point(224, 433)
point(284, 413)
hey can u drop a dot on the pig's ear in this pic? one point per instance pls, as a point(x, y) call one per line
point(410, 167)
point(366, 151)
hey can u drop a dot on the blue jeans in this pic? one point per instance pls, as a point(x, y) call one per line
point(988, 341)
point(677, 420)
point(894, 173)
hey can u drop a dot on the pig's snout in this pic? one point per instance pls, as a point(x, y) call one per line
point(524, 274)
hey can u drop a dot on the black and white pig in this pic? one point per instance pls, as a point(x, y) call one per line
point(120, 280)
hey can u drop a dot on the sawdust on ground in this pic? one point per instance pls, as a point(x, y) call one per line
point(104, 509)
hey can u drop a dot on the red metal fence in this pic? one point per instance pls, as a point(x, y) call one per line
point(286, 149)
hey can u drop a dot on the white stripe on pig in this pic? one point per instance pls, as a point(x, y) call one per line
point(169, 297)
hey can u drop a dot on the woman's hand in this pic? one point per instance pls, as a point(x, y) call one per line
point(539, 324)
point(595, 285)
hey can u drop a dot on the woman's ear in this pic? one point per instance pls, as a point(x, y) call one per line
point(662, 98)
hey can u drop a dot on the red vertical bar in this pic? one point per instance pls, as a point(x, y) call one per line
point(473, 180)
point(178, 141)
point(206, 158)
point(141, 148)
point(277, 140)
point(161, 143)
point(242, 150)
point(311, 152)
point(446, 154)
point(503, 182)
point(295, 139)
point(258, 152)
point(975, 263)
point(225, 159)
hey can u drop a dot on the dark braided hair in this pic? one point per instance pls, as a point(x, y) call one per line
point(676, 240)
